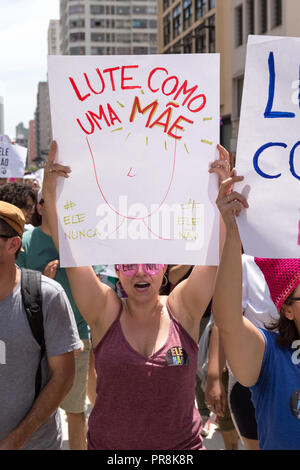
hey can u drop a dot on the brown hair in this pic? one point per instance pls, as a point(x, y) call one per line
point(287, 329)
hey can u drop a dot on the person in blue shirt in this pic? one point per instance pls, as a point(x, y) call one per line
point(265, 360)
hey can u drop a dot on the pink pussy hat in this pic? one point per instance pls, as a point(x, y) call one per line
point(282, 277)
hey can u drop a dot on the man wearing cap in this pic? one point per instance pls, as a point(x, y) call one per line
point(26, 422)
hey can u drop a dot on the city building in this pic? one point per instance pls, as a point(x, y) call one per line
point(31, 143)
point(201, 26)
point(53, 37)
point(108, 28)
point(270, 17)
point(223, 26)
point(40, 130)
point(43, 131)
point(21, 135)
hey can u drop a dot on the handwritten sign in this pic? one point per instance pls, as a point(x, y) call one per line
point(139, 133)
point(268, 152)
point(12, 159)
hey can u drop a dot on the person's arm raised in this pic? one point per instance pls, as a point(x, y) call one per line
point(192, 296)
point(95, 300)
point(243, 343)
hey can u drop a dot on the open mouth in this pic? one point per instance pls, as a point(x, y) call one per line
point(142, 285)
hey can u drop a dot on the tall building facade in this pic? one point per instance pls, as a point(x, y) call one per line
point(22, 134)
point(40, 130)
point(201, 26)
point(108, 28)
point(43, 132)
point(270, 17)
point(223, 26)
point(187, 26)
point(53, 37)
point(31, 143)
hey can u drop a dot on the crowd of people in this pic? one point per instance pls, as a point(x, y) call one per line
point(127, 338)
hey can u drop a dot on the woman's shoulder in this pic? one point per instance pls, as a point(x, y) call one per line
point(269, 336)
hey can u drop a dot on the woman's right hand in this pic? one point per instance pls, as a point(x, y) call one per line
point(230, 203)
point(52, 170)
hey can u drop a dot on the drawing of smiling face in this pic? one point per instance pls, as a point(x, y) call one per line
point(143, 171)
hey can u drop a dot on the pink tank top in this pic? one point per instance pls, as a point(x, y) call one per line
point(145, 403)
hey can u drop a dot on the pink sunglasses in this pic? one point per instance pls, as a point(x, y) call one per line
point(130, 270)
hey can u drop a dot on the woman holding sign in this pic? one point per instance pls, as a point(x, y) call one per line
point(266, 361)
point(145, 346)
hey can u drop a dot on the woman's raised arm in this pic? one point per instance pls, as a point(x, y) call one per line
point(96, 301)
point(243, 343)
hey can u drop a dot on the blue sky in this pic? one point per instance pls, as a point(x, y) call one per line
point(23, 56)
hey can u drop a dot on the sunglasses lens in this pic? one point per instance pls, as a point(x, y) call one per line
point(129, 269)
point(153, 269)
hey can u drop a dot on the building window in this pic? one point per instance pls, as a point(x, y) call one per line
point(167, 29)
point(123, 11)
point(166, 4)
point(239, 26)
point(277, 13)
point(263, 16)
point(177, 21)
point(200, 9)
point(211, 34)
point(239, 82)
point(97, 23)
point(76, 9)
point(98, 50)
point(187, 13)
point(123, 51)
point(140, 50)
point(97, 9)
point(76, 23)
point(125, 38)
point(77, 37)
point(211, 4)
point(138, 10)
point(97, 37)
point(177, 48)
point(153, 39)
point(139, 24)
point(250, 15)
point(188, 44)
point(200, 42)
point(77, 50)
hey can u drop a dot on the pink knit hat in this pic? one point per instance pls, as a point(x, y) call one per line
point(282, 277)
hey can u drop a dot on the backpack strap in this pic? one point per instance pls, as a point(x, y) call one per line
point(32, 300)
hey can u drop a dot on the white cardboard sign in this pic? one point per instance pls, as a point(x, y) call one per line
point(138, 133)
point(268, 152)
point(12, 159)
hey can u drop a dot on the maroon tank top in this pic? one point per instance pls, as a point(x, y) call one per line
point(145, 403)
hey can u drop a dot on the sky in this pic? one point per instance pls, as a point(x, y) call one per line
point(23, 56)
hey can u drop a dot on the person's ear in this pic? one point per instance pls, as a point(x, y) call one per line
point(287, 311)
point(14, 244)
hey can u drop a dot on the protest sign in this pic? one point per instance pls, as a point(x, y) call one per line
point(268, 152)
point(138, 133)
point(12, 159)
